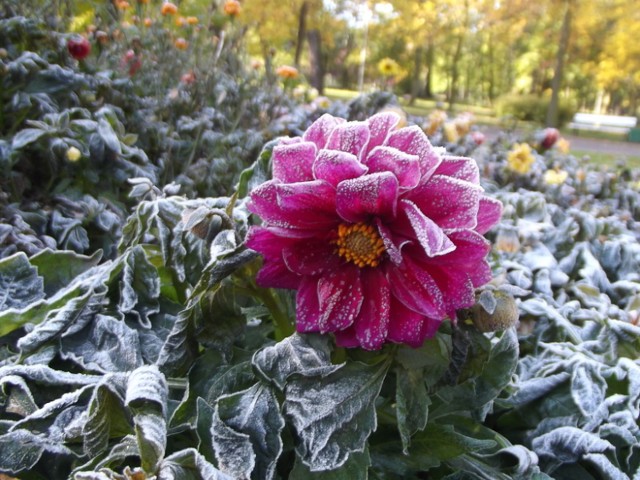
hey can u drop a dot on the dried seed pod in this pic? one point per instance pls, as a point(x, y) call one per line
point(494, 311)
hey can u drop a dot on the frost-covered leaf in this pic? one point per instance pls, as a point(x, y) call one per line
point(295, 354)
point(534, 388)
point(140, 287)
point(355, 468)
point(569, 444)
point(333, 414)
point(607, 470)
point(16, 397)
point(21, 449)
point(104, 345)
point(188, 464)
point(246, 433)
point(59, 268)
point(106, 419)
point(258, 173)
point(108, 135)
point(20, 284)
point(412, 403)
point(588, 388)
point(26, 136)
point(151, 432)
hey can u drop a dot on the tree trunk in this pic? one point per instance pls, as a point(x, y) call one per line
point(302, 32)
point(315, 56)
point(552, 111)
point(415, 80)
point(455, 62)
point(428, 84)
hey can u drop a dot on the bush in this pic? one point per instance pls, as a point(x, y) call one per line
point(532, 108)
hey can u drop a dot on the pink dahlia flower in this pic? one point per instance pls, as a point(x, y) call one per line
point(379, 232)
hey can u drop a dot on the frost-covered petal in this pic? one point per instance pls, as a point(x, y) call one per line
point(380, 125)
point(307, 306)
point(293, 162)
point(307, 204)
point(333, 166)
point(340, 296)
point(404, 166)
point(391, 245)
point(370, 195)
point(312, 257)
point(321, 129)
point(430, 236)
point(405, 325)
point(349, 137)
point(413, 285)
point(372, 324)
point(413, 141)
point(489, 213)
point(449, 202)
point(456, 286)
point(459, 167)
point(275, 274)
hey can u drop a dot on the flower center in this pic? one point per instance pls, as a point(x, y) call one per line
point(359, 243)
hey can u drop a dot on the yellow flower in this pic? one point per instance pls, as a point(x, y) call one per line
point(287, 72)
point(73, 154)
point(507, 241)
point(520, 158)
point(388, 67)
point(563, 145)
point(169, 8)
point(451, 132)
point(555, 177)
point(232, 8)
point(435, 120)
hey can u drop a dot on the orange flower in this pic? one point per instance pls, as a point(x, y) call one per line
point(144, 2)
point(232, 8)
point(148, 22)
point(192, 20)
point(181, 21)
point(168, 8)
point(122, 5)
point(181, 44)
point(287, 72)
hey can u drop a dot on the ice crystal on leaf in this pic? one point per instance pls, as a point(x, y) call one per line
point(380, 233)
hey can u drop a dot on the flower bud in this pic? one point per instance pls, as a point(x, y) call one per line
point(73, 154)
point(79, 47)
point(494, 311)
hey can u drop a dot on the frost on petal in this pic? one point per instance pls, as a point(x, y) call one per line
point(340, 296)
point(267, 243)
point(320, 130)
point(349, 137)
point(405, 325)
point(372, 324)
point(307, 306)
point(293, 162)
point(414, 286)
point(449, 202)
point(392, 245)
point(459, 167)
point(333, 166)
point(311, 257)
point(308, 204)
point(404, 166)
point(430, 236)
point(275, 274)
point(380, 125)
point(489, 213)
point(412, 140)
point(456, 286)
point(370, 195)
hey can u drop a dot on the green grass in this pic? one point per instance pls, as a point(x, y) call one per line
point(608, 159)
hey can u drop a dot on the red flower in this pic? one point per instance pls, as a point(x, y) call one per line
point(79, 47)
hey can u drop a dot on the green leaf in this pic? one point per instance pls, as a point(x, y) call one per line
point(333, 411)
point(106, 419)
point(21, 449)
point(26, 136)
point(258, 173)
point(16, 397)
point(412, 403)
point(140, 286)
point(188, 464)
point(355, 468)
point(569, 444)
point(254, 415)
point(59, 268)
point(588, 388)
point(108, 135)
point(20, 284)
point(295, 354)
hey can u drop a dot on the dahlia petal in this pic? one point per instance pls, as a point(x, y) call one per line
point(320, 130)
point(471, 247)
point(448, 201)
point(380, 125)
point(390, 246)
point(340, 296)
point(311, 257)
point(430, 236)
point(412, 140)
point(349, 137)
point(456, 287)
point(359, 198)
point(275, 274)
point(404, 166)
point(293, 162)
point(459, 167)
point(264, 241)
point(416, 288)
point(405, 325)
point(372, 324)
point(333, 166)
point(307, 306)
point(347, 338)
point(308, 204)
point(489, 213)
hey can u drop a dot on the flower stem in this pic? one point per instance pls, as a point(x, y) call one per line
point(283, 326)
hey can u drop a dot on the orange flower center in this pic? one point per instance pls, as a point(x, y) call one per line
point(359, 243)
